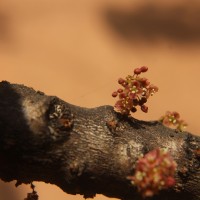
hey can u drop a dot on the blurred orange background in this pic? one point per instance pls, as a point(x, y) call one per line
point(77, 50)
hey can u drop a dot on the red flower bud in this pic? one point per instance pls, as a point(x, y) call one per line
point(121, 80)
point(120, 90)
point(144, 108)
point(137, 71)
point(143, 69)
point(122, 95)
point(133, 109)
point(114, 94)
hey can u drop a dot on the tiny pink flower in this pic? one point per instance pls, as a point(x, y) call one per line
point(172, 119)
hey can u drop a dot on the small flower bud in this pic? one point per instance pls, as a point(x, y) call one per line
point(114, 94)
point(133, 109)
point(121, 80)
point(135, 102)
point(125, 83)
point(147, 82)
point(120, 90)
point(122, 95)
point(144, 108)
point(137, 71)
point(142, 101)
point(143, 69)
point(144, 82)
point(136, 83)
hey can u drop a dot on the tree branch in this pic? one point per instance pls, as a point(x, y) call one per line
point(86, 151)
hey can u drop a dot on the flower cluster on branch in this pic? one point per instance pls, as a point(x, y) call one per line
point(134, 92)
point(155, 171)
point(172, 119)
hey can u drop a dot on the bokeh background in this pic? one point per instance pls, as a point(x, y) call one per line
point(77, 50)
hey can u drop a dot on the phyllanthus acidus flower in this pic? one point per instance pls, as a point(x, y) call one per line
point(155, 171)
point(172, 119)
point(134, 92)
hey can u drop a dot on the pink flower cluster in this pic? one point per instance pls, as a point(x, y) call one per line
point(155, 171)
point(135, 92)
point(172, 119)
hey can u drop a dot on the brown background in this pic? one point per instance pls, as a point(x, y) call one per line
point(78, 49)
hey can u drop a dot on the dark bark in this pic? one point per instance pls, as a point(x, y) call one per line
point(86, 151)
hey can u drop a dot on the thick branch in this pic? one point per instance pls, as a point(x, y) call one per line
point(86, 151)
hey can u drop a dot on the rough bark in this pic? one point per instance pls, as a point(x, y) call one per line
point(86, 151)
